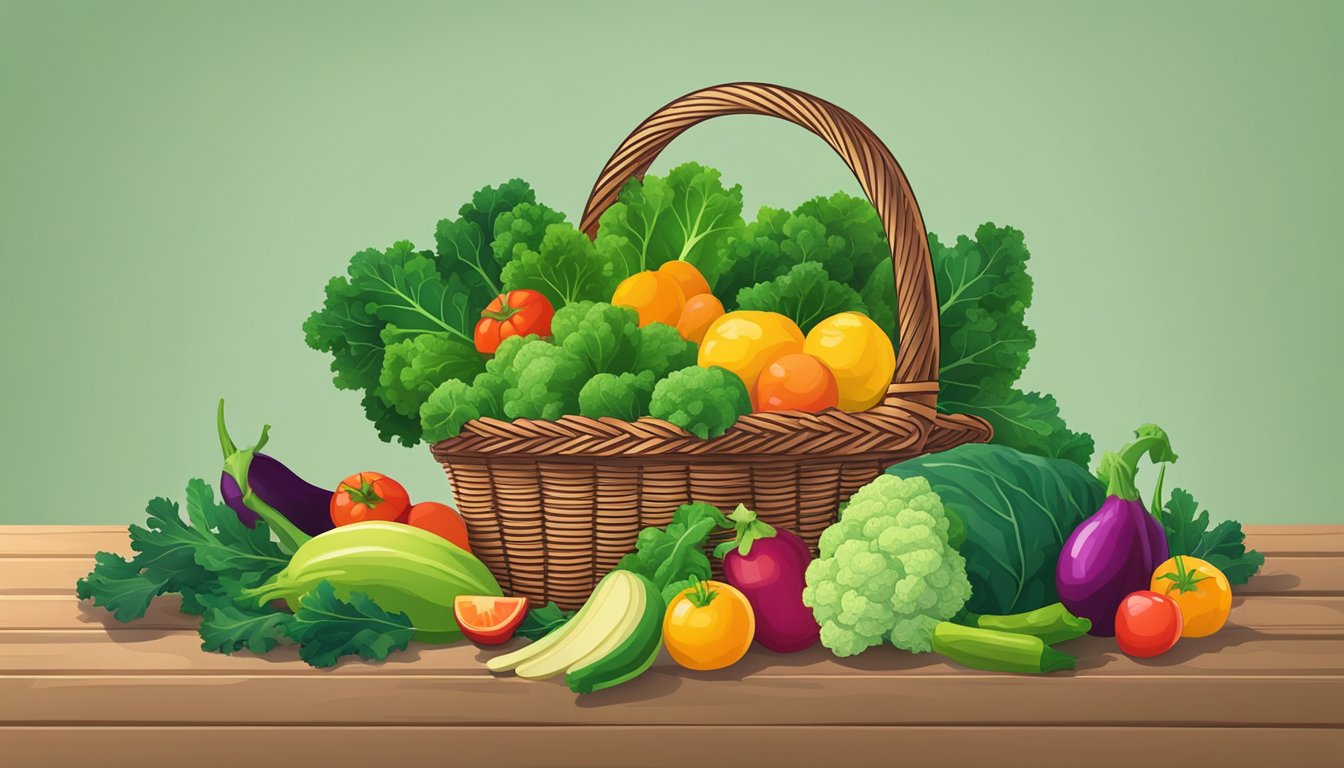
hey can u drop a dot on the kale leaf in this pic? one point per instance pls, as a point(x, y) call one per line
point(327, 628)
point(1224, 547)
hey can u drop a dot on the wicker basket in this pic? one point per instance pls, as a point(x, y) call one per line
point(551, 506)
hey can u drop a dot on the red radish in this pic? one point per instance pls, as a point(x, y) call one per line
point(487, 620)
point(767, 565)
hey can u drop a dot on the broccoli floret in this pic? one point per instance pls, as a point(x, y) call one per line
point(544, 382)
point(702, 401)
point(624, 397)
point(886, 570)
point(662, 350)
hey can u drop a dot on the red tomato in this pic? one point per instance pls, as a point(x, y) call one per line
point(1147, 624)
point(489, 620)
point(516, 313)
point(441, 519)
point(368, 496)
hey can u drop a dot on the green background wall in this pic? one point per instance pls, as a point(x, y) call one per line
point(179, 180)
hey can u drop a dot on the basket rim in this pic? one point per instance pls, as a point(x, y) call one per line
point(893, 426)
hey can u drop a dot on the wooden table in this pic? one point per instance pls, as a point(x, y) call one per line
point(78, 688)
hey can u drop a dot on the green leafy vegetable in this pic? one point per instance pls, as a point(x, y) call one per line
point(670, 556)
point(392, 296)
point(804, 294)
point(624, 397)
point(1223, 547)
point(174, 555)
point(229, 625)
point(662, 351)
point(605, 337)
point(1018, 509)
point(686, 215)
point(522, 229)
point(542, 621)
point(544, 382)
point(415, 366)
point(702, 401)
point(566, 268)
point(328, 628)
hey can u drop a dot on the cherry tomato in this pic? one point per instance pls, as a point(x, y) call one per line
point(1147, 624)
point(441, 519)
point(368, 496)
point(516, 313)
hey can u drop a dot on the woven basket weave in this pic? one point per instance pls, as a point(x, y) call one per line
point(551, 506)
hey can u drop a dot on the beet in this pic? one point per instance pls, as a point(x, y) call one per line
point(768, 565)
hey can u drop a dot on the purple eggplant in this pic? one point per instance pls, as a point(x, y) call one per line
point(258, 487)
point(306, 505)
point(768, 565)
point(1115, 551)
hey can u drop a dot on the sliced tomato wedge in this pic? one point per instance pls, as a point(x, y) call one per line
point(487, 620)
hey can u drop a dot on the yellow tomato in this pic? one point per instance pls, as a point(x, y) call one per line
point(1199, 589)
point(654, 295)
point(708, 626)
point(690, 280)
point(746, 341)
point(860, 355)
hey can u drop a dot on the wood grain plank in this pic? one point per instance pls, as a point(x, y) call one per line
point(62, 540)
point(42, 575)
point(1285, 575)
point(1317, 613)
point(657, 747)
point(1296, 540)
point(667, 696)
point(47, 611)
point(155, 652)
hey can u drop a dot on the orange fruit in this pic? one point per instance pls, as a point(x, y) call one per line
point(795, 382)
point(687, 276)
point(655, 296)
point(700, 311)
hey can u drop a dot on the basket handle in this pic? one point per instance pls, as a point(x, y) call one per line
point(878, 173)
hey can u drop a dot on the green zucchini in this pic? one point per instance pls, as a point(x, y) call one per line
point(632, 656)
point(605, 618)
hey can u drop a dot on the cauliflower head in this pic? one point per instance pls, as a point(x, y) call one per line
point(886, 570)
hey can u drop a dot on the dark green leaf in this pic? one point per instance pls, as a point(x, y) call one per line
point(1027, 421)
point(121, 586)
point(1223, 547)
point(1018, 509)
point(805, 295)
point(328, 628)
point(542, 621)
point(677, 552)
point(229, 625)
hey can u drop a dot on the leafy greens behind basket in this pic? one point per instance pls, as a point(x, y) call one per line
point(399, 325)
